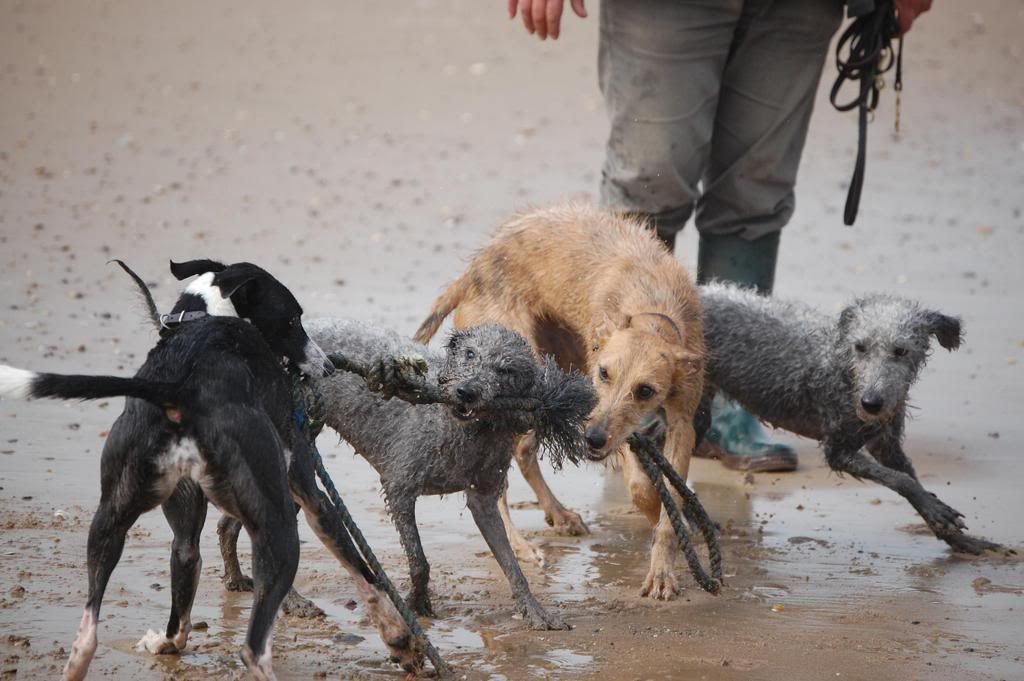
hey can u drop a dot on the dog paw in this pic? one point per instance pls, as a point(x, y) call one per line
point(528, 552)
point(965, 543)
point(943, 519)
point(405, 651)
point(660, 584)
point(239, 583)
point(540, 619)
point(297, 605)
point(156, 644)
point(566, 522)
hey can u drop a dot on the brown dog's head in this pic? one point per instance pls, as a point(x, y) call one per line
point(638, 363)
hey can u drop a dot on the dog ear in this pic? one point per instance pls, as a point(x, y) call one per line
point(455, 338)
point(566, 401)
point(190, 268)
point(608, 325)
point(235, 277)
point(947, 330)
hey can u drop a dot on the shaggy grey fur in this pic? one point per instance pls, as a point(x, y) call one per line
point(842, 381)
point(432, 449)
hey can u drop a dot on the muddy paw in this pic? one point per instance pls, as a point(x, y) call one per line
point(965, 543)
point(567, 522)
point(528, 552)
point(405, 651)
point(660, 584)
point(157, 644)
point(941, 518)
point(240, 583)
point(297, 605)
point(541, 620)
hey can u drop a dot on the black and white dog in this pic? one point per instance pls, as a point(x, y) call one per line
point(209, 416)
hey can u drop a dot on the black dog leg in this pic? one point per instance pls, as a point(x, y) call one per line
point(275, 550)
point(110, 524)
point(228, 529)
point(403, 511)
point(484, 508)
point(185, 511)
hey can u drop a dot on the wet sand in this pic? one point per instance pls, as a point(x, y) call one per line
point(361, 154)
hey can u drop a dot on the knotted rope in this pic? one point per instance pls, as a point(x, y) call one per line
point(655, 465)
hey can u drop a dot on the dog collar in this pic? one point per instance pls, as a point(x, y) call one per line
point(170, 320)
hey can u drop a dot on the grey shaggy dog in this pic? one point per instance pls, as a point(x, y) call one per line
point(465, 445)
point(842, 381)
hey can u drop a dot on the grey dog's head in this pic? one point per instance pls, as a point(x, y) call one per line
point(885, 341)
point(491, 376)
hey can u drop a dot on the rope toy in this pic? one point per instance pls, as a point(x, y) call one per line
point(655, 465)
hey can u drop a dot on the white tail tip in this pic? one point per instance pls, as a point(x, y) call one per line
point(15, 383)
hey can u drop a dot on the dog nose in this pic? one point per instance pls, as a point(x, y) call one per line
point(467, 395)
point(596, 439)
point(872, 405)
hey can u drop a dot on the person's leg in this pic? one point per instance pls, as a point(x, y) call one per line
point(765, 106)
point(660, 66)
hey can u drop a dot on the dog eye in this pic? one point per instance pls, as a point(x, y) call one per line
point(644, 392)
point(603, 374)
point(860, 347)
point(470, 354)
point(899, 352)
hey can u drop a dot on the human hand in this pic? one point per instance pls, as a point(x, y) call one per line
point(544, 17)
point(906, 12)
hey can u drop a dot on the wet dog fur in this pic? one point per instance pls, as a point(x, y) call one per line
point(602, 294)
point(209, 417)
point(463, 446)
point(842, 380)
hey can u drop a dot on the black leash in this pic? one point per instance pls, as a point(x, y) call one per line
point(655, 465)
point(312, 427)
point(867, 43)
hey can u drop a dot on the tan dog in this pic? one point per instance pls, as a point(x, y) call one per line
point(602, 295)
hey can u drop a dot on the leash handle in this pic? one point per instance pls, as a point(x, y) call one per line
point(867, 45)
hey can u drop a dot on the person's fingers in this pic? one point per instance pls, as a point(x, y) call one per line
point(581, 11)
point(540, 18)
point(512, 5)
point(554, 17)
point(527, 13)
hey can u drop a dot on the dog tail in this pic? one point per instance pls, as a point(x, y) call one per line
point(147, 297)
point(28, 385)
point(443, 307)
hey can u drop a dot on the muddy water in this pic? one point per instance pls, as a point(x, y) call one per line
point(361, 153)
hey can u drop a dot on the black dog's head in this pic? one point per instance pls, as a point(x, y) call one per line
point(491, 376)
point(250, 292)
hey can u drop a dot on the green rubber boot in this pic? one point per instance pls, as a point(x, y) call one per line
point(736, 437)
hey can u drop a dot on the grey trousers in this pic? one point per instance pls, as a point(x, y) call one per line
point(709, 103)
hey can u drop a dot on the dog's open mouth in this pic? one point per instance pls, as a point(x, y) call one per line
point(463, 412)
